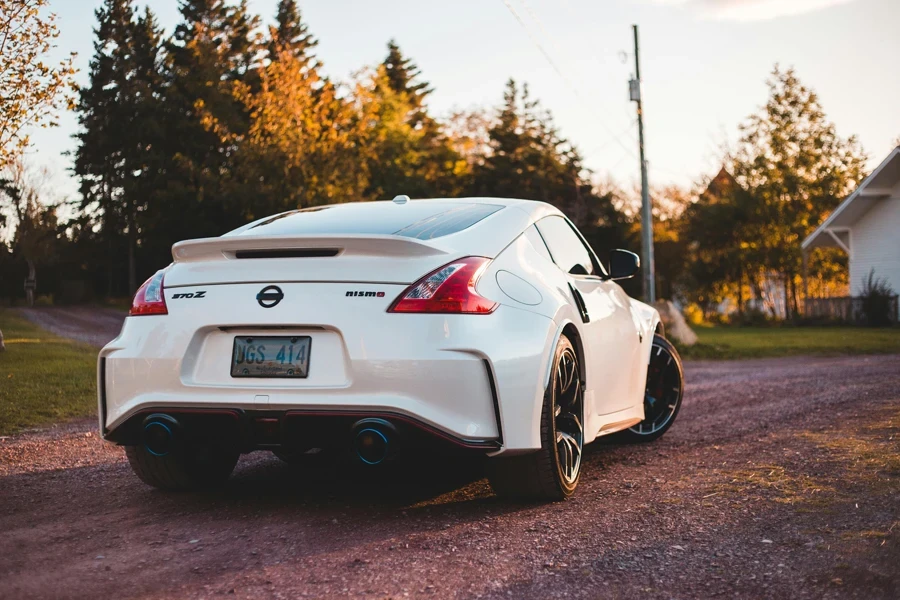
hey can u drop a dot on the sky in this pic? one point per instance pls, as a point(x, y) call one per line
point(704, 64)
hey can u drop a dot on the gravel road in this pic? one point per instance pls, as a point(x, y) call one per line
point(90, 324)
point(780, 480)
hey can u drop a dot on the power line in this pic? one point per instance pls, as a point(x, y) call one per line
point(537, 44)
point(605, 144)
point(559, 71)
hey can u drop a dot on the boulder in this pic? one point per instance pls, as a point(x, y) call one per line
point(676, 327)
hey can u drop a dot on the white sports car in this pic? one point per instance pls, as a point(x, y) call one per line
point(381, 328)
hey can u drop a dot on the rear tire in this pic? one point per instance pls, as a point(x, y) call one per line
point(662, 396)
point(551, 473)
point(189, 469)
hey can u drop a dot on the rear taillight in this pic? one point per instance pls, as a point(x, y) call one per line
point(450, 289)
point(149, 299)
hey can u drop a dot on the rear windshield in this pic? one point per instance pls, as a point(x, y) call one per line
point(420, 219)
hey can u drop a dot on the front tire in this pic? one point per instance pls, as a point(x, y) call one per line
point(662, 395)
point(188, 469)
point(551, 473)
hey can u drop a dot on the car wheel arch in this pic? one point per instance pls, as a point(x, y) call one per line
point(571, 331)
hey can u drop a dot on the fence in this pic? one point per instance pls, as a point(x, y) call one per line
point(849, 309)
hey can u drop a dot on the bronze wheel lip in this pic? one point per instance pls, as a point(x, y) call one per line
point(568, 414)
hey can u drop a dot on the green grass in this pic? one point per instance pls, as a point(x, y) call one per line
point(43, 378)
point(759, 342)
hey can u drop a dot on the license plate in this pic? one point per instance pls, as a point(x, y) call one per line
point(271, 356)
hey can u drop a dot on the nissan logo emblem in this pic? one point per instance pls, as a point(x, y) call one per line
point(269, 296)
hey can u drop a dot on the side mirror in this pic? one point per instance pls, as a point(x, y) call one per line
point(623, 264)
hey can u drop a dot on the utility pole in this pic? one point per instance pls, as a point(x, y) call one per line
point(646, 214)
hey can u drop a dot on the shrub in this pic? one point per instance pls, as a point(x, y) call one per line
point(693, 314)
point(877, 301)
point(756, 317)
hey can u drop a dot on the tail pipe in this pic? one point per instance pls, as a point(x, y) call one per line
point(161, 434)
point(374, 440)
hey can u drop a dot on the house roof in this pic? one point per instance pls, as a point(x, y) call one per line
point(879, 184)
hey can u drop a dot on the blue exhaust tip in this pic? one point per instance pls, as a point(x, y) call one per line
point(372, 440)
point(159, 434)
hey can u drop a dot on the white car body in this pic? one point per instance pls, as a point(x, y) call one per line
point(476, 379)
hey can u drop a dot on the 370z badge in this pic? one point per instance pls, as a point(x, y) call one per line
point(200, 294)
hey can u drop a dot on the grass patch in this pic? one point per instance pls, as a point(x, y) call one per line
point(43, 378)
point(872, 451)
point(759, 342)
point(850, 463)
point(777, 483)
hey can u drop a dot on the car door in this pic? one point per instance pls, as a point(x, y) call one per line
point(611, 340)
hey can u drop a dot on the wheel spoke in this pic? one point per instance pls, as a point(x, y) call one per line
point(568, 382)
point(567, 415)
point(570, 454)
point(559, 376)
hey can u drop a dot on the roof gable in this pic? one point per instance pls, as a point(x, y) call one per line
point(879, 184)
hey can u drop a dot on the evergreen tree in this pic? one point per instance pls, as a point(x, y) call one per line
point(411, 153)
point(213, 51)
point(717, 267)
point(119, 114)
point(290, 34)
point(402, 76)
point(526, 158)
point(145, 139)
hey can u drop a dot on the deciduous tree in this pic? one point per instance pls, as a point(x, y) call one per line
point(32, 89)
point(796, 169)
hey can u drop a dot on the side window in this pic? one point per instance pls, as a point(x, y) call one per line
point(567, 249)
point(538, 242)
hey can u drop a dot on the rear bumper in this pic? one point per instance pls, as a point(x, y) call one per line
point(291, 430)
point(475, 380)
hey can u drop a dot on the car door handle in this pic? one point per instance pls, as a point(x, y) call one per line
point(579, 302)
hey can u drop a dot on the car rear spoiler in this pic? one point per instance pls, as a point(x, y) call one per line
point(239, 247)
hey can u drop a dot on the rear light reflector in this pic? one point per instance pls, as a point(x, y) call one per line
point(449, 289)
point(149, 299)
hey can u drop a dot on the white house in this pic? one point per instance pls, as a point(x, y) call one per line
point(867, 227)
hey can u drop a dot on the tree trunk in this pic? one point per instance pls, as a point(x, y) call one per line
point(794, 302)
point(787, 300)
point(132, 274)
point(30, 283)
point(109, 269)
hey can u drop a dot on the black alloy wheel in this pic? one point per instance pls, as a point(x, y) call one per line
point(663, 392)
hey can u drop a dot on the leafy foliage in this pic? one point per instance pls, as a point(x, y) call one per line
point(227, 121)
point(224, 123)
point(31, 90)
point(120, 114)
point(790, 170)
point(877, 295)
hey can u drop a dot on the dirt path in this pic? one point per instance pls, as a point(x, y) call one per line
point(780, 480)
point(91, 324)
